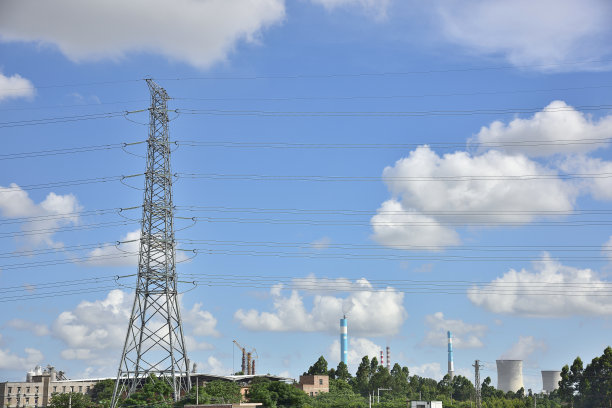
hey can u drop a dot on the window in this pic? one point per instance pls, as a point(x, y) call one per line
point(320, 381)
point(80, 388)
point(10, 389)
point(37, 390)
point(27, 390)
point(71, 388)
point(54, 388)
point(87, 389)
point(64, 388)
point(18, 390)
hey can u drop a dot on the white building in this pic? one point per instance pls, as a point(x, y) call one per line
point(38, 387)
point(425, 404)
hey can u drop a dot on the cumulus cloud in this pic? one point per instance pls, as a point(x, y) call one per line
point(36, 329)
point(529, 32)
point(523, 348)
point(474, 188)
point(97, 325)
point(550, 290)
point(429, 370)
point(53, 212)
point(321, 243)
point(373, 313)
point(125, 254)
point(377, 8)
point(197, 32)
point(599, 187)
point(357, 348)
point(14, 87)
point(203, 323)
point(11, 361)
point(546, 131)
point(465, 335)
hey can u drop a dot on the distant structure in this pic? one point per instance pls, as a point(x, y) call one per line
point(425, 404)
point(388, 358)
point(382, 359)
point(451, 364)
point(313, 384)
point(509, 375)
point(550, 380)
point(248, 359)
point(343, 341)
point(39, 386)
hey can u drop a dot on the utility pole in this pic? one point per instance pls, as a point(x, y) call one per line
point(378, 393)
point(154, 343)
point(477, 367)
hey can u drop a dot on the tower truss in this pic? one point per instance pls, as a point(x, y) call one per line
point(154, 343)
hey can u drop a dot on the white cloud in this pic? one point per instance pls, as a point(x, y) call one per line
point(197, 32)
point(426, 185)
point(36, 329)
point(321, 243)
point(552, 289)
point(377, 8)
point(111, 255)
point(523, 348)
point(529, 32)
point(12, 361)
point(375, 313)
point(465, 335)
point(397, 227)
point(94, 326)
point(599, 187)
point(54, 211)
point(203, 323)
point(546, 131)
point(428, 370)
point(357, 348)
point(15, 86)
point(213, 365)
point(77, 354)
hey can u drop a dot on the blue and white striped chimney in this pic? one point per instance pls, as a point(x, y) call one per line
point(451, 366)
point(343, 341)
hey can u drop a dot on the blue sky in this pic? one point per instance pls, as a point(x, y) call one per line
point(420, 166)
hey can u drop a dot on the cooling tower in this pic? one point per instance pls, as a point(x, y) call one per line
point(509, 375)
point(550, 380)
point(343, 341)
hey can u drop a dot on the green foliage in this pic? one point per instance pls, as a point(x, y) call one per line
point(318, 368)
point(342, 372)
point(213, 392)
point(72, 399)
point(276, 394)
point(154, 391)
point(102, 392)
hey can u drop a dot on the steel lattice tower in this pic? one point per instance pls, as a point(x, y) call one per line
point(154, 343)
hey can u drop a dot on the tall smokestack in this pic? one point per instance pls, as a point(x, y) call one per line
point(343, 341)
point(382, 360)
point(388, 358)
point(451, 365)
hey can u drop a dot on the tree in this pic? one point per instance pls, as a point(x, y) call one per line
point(362, 377)
point(70, 399)
point(318, 368)
point(102, 392)
point(276, 394)
point(570, 381)
point(596, 381)
point(154, 391)
point(342, 372)
point(399, 380)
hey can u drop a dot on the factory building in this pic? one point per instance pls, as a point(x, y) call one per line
point(313, 384)
point(550, 380)
point(38, 387)
point(509, 375)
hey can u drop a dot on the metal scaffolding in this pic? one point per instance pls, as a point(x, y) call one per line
point(154, 342)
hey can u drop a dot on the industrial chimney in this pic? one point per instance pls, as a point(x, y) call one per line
point(550, 380)
point(388, 358)
point(343, 341)
point(451, 364)
point(509, 375)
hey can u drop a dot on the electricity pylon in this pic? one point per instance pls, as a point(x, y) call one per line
point(154, 343)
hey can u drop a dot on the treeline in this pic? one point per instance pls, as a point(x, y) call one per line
point(399, 387)
point(580, 387)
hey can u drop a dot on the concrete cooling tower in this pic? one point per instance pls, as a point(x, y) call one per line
point(550, 380)
point(509, 375)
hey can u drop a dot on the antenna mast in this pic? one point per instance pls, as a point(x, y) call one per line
point(154, 342)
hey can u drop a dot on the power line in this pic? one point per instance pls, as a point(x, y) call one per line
point(64, 119)
point(462, 112)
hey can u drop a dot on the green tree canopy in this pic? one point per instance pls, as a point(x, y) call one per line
point(318, 368)
point(70, 399)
